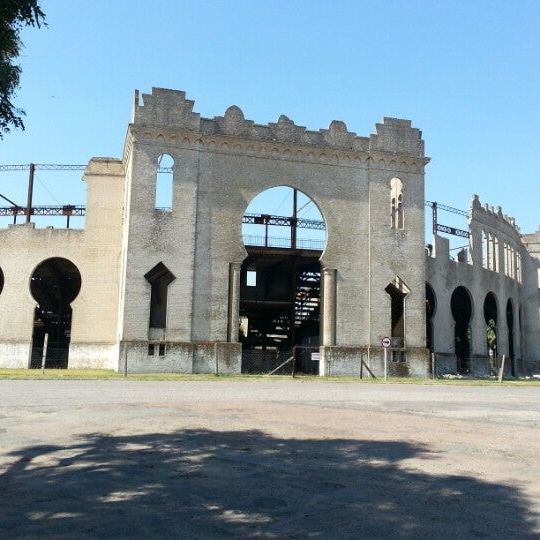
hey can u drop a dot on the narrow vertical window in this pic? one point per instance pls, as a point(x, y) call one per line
point(164, 183)
point(519, 275)
point(396, 203)
point(494, 253)
point(159, 278)
point(485, 250)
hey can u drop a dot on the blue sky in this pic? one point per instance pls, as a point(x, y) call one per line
point(466, 73)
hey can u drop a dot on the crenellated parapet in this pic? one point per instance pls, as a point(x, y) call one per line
point(493, 218)
point(397, 136)
point(165, 108)
point(169, 109)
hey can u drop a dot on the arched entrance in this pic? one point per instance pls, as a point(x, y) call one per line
point(461, 307)
point(430, 311)
point(54, 284)
point(280, 282)
point(510, 326)
point(491, 316)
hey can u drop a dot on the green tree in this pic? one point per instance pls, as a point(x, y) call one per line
point(491, 334)
point(14, 16)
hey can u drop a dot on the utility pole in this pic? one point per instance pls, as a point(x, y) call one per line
point(30, 192)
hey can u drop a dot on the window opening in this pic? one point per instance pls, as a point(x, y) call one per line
point(396, 203)
point(151, 349)
point(164, 183)
point(162, 349)
point(485, 250)
point(251, 278)
point(159, 278)
point(494, 253)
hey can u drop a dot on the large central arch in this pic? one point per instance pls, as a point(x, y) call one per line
point(284, 234)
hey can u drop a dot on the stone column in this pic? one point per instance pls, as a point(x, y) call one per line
point(329, 307)
point(234, 302)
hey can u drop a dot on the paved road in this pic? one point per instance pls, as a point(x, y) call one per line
point(267, 459)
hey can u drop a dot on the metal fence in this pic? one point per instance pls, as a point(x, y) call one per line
point(283, 242)
point(447, 365)
point(296, 361)
point(57, 356)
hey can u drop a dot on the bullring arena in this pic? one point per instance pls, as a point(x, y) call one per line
point(173, 283)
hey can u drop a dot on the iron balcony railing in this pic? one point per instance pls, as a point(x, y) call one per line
point(283, 242)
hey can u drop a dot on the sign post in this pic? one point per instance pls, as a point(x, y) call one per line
point(44, 354)
point(386, 342)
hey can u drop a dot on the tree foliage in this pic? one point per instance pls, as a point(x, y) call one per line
point(491, 334)
point(14, 16)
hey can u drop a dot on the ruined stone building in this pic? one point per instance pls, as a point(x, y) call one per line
point(146, 288)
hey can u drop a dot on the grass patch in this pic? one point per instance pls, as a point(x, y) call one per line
point(103, 374)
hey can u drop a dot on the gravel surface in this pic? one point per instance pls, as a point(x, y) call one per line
point(267, 459)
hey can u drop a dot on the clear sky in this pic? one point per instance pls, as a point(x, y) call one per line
point(465, 72)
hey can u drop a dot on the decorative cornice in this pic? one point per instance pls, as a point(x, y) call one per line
point(234, 144)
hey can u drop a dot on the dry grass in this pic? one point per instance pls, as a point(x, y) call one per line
point(102, 374)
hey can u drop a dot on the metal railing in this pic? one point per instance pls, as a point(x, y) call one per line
point(283, 242)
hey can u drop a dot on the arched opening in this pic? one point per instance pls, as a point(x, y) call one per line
point(491, 316)
point(430, 311)
point(280, 282)
point(510, 326)
point(54, 284)
point(520, 330)
point(397, 290)
point(461, 307)
point(1, 281)
point(164, 183)
point(159, 278)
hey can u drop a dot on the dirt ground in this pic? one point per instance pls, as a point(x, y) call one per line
point(267, 459)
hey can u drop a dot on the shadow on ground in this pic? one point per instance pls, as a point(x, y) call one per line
point(206, 484)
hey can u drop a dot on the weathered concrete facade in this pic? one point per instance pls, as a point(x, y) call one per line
point(220, 165)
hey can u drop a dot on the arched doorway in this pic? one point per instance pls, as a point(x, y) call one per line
point(491, 317)
point(280, 282)
point(54, 284)
point(510, 326)
point(461, 307)
point(431, 302)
